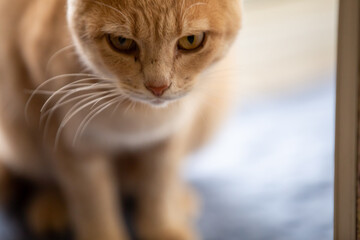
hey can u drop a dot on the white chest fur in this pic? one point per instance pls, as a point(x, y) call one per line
point(133, 128)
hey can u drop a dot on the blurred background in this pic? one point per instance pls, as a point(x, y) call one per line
point(268, 175)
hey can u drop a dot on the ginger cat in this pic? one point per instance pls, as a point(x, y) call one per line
point(102, 99)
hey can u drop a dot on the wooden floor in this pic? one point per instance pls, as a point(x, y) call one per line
point(286, 44)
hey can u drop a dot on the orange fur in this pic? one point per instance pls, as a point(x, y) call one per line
point(147, 135)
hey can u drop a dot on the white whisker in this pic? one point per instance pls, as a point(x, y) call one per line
point(91, 87)
point(97, 102)
point(73, 111)
point(51, 111)
point(51, 80)
point(95, 112)
point(116, 107)
point(57, 53)
point(133, 107)
point(40, 92)
point(73, 84)
point(84, 97)
point(128, 107)
point(61, 102)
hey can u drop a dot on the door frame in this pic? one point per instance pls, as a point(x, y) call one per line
point(347, 122)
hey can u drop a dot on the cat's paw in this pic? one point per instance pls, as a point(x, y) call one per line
point(177, 232)
point(7, 186)
point(173, 235)
point(190, 203)
point(171, 223)
point(47, 213)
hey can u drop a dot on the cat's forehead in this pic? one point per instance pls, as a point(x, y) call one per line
point(153, 20)
point(157, 18)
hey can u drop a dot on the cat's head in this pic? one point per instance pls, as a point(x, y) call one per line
point(153, 49)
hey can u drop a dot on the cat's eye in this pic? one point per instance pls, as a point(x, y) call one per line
point(121, 44)
point(191, 42)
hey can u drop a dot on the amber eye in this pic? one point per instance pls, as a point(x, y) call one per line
point(121, 44)
point(191, 42)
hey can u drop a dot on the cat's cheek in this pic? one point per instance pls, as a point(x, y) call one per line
point(195, 64)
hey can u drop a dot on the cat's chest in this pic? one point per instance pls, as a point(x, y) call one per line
point(128, 132)
point(130, 129)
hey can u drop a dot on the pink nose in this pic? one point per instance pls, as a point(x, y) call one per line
point(157, 90)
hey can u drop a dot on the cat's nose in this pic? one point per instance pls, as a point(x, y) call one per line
point(158, 90)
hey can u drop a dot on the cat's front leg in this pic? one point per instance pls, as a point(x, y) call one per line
point(166, 215)
point(88, 186)
point(165, 205)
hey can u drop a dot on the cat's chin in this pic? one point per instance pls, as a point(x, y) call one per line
point(156, 102)
point(159, 103)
